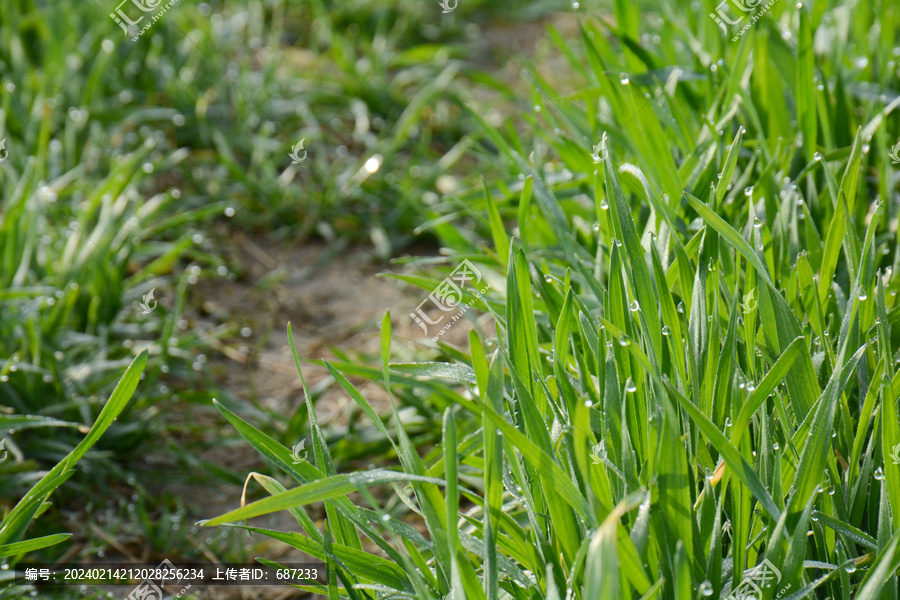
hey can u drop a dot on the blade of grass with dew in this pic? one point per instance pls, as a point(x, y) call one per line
point(490, 383)
point(890, 420)
point(16, 522)
point(317, 491)
point(33, 544)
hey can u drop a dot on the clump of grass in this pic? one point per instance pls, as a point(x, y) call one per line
point(695, 370)
point(16, 522)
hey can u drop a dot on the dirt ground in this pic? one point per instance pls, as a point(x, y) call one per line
point(334, 298)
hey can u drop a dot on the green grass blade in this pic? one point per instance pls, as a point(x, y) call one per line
point(32, 544)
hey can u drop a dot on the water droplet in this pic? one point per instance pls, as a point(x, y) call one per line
point(623, 79)
point(775, 446)
point(818, 157)
point(634, 306)
point(665, 330)
point(576, 5)
point(596, 226)
point(748, 191)
point(548, 278)
point(879, 474)
point(863, 297)
point(629, 386)
point(706, 589)
point(680, 307)
point(757, 223)
point(727, 422)
point(604, 205)
point(851, 567)
point(588, 403)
